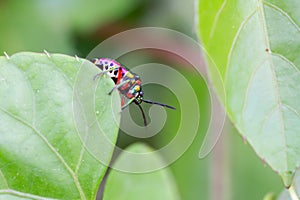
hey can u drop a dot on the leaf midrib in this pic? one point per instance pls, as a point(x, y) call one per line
point(274, 78)
point(260, 9)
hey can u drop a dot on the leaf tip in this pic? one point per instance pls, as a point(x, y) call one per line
point(287, 178)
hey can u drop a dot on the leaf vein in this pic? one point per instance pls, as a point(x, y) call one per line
point(291, 109)
point(217, 17)
point(282, 57)
point(267, 117)
point(241, 27)
point(249, 84)
point(73, 175)
point(22, 194)
point(4, 179)
point(276, 8)
point(267, 41)
point(83, 140)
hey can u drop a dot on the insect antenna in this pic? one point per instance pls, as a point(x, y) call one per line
point(157, 103)
point(144, 117)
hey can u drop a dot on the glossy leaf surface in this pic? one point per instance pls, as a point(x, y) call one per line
point(53, 117)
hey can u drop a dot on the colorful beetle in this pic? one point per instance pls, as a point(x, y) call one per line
point(128, 83)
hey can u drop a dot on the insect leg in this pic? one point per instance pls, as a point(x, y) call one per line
point(118, 86)
point(143, 114)
point(96, 76)
point(128, 103)
point(157, 103)
point(104, 72)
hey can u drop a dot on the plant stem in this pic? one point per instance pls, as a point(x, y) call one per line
point(293, 193)
point(220, 169)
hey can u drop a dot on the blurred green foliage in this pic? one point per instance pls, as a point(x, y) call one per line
point(77, 26)
point(154, 185)
point(35, 25)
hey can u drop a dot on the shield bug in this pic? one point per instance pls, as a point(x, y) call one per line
point(126, 82)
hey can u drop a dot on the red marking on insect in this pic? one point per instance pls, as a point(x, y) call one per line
point(128, 83)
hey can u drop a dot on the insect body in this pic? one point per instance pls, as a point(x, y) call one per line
point(128, 83)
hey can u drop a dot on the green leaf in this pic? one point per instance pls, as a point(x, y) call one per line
point(129, 185)
point(255, 46)
point(53, 120)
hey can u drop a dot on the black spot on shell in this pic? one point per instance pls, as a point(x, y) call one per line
point(115, 72)
point(114, 79)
